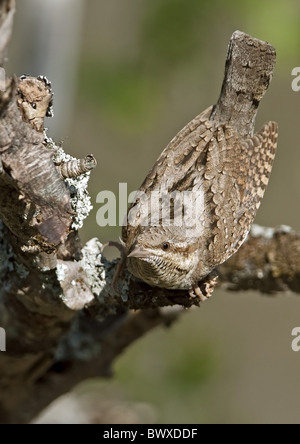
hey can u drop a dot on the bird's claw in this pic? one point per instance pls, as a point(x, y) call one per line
point(206, 290)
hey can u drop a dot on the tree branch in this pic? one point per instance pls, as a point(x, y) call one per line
point(268, 262)
point(63, 319)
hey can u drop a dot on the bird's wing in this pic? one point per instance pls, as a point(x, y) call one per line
point(235, 177)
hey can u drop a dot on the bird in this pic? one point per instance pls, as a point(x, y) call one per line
point(196, 205)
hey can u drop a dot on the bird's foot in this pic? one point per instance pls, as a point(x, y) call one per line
point(205, 289)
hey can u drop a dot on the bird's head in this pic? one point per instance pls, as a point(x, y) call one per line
point(164, 260)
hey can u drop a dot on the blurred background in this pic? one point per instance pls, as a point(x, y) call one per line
point(127, 75)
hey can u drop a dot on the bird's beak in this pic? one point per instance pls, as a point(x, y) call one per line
point(139, 252)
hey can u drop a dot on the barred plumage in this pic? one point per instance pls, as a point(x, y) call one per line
point(223, 169)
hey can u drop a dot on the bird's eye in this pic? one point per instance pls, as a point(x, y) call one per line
point(165, 246)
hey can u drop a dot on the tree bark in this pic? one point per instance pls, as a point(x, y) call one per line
point(64, 322)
